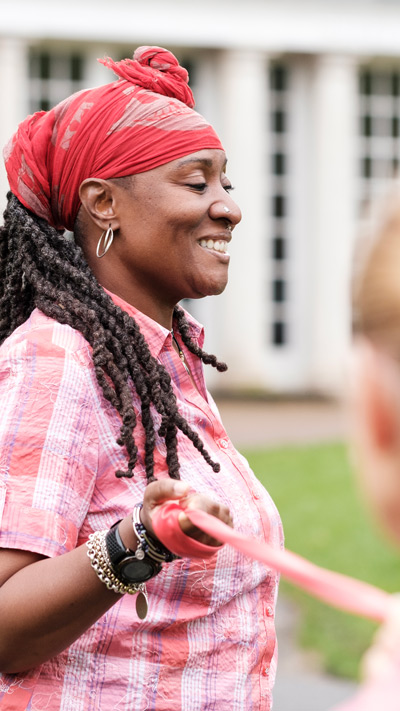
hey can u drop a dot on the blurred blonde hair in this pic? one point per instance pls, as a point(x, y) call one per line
point(376, 281)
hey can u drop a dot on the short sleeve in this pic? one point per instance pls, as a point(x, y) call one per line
point(48, 441)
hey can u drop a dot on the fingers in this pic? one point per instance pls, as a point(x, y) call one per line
point(156, 493)
point(166, 489)
point(383, 657)
point(198, 501)
point(204, 503)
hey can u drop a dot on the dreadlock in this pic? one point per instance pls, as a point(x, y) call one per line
point(41, 268)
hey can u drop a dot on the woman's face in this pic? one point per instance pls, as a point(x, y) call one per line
point(173, 233)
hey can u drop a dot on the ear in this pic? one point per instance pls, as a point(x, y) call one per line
point(377, 397)
point(98, 199)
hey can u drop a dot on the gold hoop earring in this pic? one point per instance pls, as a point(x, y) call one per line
point(108, 237)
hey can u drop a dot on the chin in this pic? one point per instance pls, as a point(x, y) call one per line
point(216, 288)
point(219, 290)
point(210, 292)
point(201, 290)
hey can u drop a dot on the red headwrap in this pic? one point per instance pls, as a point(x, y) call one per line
point(141, 121)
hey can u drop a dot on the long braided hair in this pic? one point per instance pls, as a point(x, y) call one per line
point(41, 268)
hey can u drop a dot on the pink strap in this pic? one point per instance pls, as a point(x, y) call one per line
point(168, 531)
point(334, 588)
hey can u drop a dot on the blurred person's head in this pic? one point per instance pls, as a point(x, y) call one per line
point(376, 303)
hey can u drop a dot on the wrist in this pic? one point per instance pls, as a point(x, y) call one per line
point(147, 544)
point(126, 532)
point(116, 574)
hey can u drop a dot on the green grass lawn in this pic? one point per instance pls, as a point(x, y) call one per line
point(325, 521)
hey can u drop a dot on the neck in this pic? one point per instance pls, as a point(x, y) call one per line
point(161, 313)
point(113, 277)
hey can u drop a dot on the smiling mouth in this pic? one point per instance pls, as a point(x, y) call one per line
point(219, 245)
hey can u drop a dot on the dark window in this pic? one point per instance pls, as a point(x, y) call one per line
point(366, 125)
point(279, 206)
point(395, 165)
point(366, 83)
point(279, 164)
point(44, 65)
point(279, 335)
point(279, 78)
point(279, 248)
point(366, 167)
point(44, 105)
point(279, 121)
point(278, 290)
point(395, 84)
point(122, 54)
point(190, 67)
point(395, 126)
point(76, 67)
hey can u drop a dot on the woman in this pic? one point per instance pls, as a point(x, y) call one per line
point(105, 409)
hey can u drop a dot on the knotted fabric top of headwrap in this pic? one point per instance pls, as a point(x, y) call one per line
point(141, 121)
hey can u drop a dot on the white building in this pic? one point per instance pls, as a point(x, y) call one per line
point(306, 98)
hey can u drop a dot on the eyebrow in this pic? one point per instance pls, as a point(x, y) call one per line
point(205, 161)
point(208, 162)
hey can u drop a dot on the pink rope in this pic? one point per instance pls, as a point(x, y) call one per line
point(333, 588)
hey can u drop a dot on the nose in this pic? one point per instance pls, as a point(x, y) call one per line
point(227, 209)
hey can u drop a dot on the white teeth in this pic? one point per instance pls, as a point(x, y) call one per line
point(218, 245)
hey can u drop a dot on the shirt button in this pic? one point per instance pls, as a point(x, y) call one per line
point(224, 443)
point(265, 671)
point(269, 611)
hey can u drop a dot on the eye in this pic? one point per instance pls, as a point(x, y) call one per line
point(199, 187)
point(228, 188)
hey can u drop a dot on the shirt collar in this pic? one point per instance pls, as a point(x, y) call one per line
point(155, 334)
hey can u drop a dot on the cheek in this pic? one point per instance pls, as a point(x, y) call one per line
point(378, 483)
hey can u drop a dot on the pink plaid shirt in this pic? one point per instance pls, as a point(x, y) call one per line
point(208, 641)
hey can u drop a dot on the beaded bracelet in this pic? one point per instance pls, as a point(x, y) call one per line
point(146, 544)
point(97, 553)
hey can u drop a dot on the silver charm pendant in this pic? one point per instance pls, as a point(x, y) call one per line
point(139, 553)
point(142, 603)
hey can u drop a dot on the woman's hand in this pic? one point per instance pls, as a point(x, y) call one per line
point(168, 489)
point(382, 659)
point(65, 594)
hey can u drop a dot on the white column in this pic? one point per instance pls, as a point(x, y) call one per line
point(287, 366)
point(334, 110)
point(243, 128)
point(14, 93)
